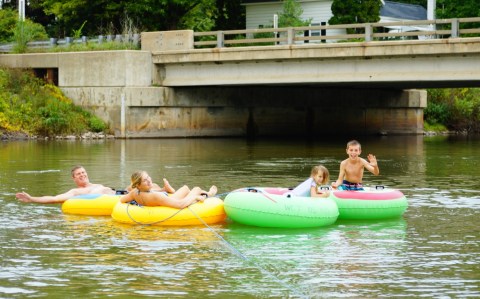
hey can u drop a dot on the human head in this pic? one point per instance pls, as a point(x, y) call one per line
point(75, 168)
point(354, 143)
point(138, 177)
point(80, 176)
point(354, 149)
point(320, 169)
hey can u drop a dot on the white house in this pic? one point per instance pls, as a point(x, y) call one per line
point(259, 13)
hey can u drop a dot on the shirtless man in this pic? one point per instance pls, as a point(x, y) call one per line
point(80, 177)
point(351, 169)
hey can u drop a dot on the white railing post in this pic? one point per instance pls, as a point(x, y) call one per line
point(455, 28)
point(290, 35)
point(368, 32)
point(220, 41)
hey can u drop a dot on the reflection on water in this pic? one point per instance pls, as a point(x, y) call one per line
point(433, 251)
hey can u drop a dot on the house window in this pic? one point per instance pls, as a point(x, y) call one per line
point(315, 32)
point(321, 32)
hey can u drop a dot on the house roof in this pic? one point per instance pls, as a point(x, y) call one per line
point(403, 11)
point(259, 1)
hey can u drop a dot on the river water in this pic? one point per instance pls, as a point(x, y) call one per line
point(433, 251)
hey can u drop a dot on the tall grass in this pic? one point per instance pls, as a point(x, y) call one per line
point(27, 31)
point(29, 105)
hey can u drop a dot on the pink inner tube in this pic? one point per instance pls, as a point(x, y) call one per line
point(366, 195)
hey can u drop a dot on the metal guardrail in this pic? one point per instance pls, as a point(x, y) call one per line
point(54, 42)
point(423, 29)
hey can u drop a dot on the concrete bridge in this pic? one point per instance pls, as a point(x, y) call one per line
point(171, 89)
point(399, 65)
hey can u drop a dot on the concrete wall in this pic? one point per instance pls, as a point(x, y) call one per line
point(92, 69)
point(254, 111)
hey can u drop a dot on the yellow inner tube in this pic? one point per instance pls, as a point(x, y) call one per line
point(210, 211)
point(91, 204)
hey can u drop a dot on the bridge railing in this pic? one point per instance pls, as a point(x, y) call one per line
point(67, 41)
point(422, 29)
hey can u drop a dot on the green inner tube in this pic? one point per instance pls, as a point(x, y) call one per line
point(261, 208)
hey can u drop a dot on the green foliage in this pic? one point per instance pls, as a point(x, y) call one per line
point(8, 20)
point(78, 32)
point(457, 9)
point(434, 127)
point(96, 124)
point(355, 12)
point(27, 31)
point(436, 113)
point(291, 15)
point(458, 109)
point(105, 46)
point(199, 18)
point(230, 15)
point(263, 35)
point(105, 17)
point(28, 104)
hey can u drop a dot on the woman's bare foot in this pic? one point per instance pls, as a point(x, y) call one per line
point(167, 186)
point(213, 190)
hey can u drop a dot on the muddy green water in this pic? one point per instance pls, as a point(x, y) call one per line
point(433, 251)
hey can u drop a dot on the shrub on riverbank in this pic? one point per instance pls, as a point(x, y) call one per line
point(458, 109)
point(29, 105)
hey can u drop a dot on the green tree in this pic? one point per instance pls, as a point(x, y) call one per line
point(355, 12)
point(447, 9)
point(63, 18)
point(291, 15)
point(230, 15)
point(8, 20)
point(148, 15)
point(71, 14)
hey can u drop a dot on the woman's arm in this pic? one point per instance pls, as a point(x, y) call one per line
point(127, 197)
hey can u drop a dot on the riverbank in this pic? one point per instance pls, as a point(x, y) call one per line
point(6, 136)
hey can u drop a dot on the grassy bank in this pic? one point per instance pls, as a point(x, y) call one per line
point(455, 109)
point(30, 106)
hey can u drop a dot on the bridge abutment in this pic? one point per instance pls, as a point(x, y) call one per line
point(255, 111)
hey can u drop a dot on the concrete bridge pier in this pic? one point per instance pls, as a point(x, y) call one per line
point(295, 111)
point(303, 111)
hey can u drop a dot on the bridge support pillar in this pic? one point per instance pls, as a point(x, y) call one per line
point(310, 112)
